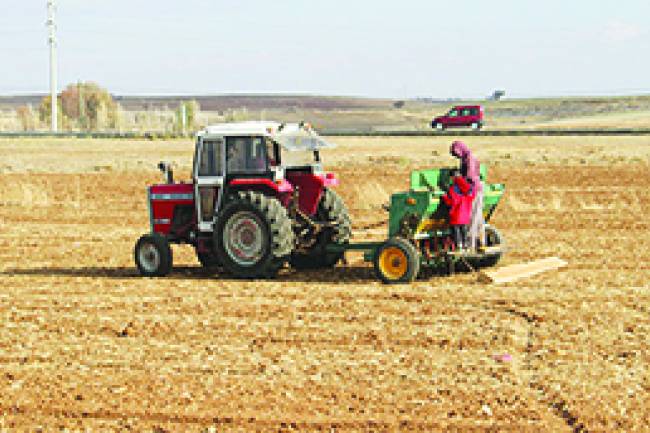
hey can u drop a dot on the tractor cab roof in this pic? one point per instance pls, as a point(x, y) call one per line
point(291, 136)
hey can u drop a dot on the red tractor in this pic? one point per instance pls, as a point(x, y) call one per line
point(258, 199)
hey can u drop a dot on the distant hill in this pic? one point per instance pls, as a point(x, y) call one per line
point(224, 102)
point(15, 101)
point(256, 102)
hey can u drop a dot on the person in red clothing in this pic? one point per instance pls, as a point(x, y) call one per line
point(470, 167)
point(459, 198)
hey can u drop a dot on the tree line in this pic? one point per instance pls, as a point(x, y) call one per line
point(86, 106)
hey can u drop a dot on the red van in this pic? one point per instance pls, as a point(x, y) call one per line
point(460, 115)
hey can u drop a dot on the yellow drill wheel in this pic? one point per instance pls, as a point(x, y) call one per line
point(393, 263)
point(397, 261)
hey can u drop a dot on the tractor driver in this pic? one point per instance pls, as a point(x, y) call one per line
point(234, 160)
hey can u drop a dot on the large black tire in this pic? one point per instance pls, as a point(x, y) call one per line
point(208, 260)
point(253, 237)
point(493, 238)
point(397, 261)
point(153, 255)
point(331, 208)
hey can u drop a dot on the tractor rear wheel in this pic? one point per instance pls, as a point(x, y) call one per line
point(253, 237)
point(331, 208)
point(153, 255)
point(208, 260)
point(397, 261)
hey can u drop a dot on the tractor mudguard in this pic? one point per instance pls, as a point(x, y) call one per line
point(311, 187)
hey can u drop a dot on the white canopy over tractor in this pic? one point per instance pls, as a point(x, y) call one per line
point(291, 136)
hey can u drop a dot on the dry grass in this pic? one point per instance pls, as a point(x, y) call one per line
point(87, 345)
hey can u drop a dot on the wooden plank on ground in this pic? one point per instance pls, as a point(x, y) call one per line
point(510, 273)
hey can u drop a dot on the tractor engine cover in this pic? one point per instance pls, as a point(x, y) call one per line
point(163, 200)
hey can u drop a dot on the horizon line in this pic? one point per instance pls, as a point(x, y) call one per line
point(639, 93)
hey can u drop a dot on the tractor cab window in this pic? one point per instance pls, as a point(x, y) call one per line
point(246, 154)
point(210, 158)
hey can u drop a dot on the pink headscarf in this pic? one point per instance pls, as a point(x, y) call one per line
point(470, 167)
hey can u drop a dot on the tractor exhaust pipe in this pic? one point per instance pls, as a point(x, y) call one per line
point(167, 171)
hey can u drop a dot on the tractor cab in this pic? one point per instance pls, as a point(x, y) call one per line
point(258, 198)
point(270, 157)
point(222, 157)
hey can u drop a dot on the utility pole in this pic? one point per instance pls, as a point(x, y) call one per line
point(51, 26)
point(183, 118)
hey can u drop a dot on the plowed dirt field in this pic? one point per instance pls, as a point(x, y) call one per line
point(88, 345)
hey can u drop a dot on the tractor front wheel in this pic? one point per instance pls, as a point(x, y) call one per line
point(153, 255)
point(397, 261)
point(253, 236)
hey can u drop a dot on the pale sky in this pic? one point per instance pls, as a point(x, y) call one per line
point(376, 48)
